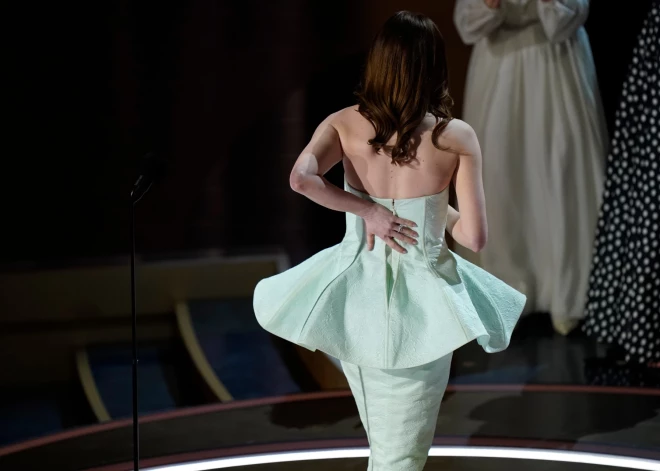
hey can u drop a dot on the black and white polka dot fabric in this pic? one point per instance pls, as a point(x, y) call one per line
point(623, 306)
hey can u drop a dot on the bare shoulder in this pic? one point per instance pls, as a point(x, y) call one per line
point(333, 126)
point(341, 119)
point(459, 132)
point(460, 136)
point(346, 117)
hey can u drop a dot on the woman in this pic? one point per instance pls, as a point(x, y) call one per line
point(623, 304)
point(532, 97)
point(391, 301)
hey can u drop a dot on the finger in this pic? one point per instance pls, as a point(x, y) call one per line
point(405, 230)
point(409, 232)
point(403, 237)
point(405, 222)
point(370, 241)
point(389, 241)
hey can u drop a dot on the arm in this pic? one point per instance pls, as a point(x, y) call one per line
point(562, 18)
point(475, 20)
point(307, 177)
point(469, 227)
point(452, 218)
point(321, 154)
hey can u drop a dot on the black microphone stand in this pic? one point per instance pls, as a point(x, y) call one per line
point(136, 196)
point(136, 431)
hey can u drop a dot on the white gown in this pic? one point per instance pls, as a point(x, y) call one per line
point(533, 99)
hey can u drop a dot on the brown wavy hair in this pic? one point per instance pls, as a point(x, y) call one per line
point(404, 79)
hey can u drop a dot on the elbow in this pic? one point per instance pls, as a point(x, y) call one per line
point(472, 238)
point(297, 181)
point(478, 242)
point(478, 246)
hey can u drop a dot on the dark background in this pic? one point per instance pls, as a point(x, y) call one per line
point(227, 92)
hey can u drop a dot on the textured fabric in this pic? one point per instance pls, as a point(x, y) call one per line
point(399, 410)
point(383, 309)
point(532, 98)
point(623, 304)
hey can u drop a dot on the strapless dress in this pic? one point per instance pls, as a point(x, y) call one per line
point(382, 309)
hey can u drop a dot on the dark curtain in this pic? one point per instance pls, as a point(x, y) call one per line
point(227, 92)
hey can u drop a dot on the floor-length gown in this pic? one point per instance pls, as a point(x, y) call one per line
point(623, 305)
point(532, 98)
point(393, 320)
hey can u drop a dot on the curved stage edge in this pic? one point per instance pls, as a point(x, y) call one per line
point(290, 451)
point(315, 451)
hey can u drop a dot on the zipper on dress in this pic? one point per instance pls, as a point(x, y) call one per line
point(394, 260)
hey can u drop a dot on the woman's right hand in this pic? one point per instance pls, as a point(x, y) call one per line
point(492, 3)
point(381, 222)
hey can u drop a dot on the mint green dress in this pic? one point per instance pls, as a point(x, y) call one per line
point(392, 319)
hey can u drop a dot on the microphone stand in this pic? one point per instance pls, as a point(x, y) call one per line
point(136, 430)
point(135, 198)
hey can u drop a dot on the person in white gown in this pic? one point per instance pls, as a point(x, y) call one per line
point(532, 97)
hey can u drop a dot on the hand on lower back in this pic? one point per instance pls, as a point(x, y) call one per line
point(380, 221)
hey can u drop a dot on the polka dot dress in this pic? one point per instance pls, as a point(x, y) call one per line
point(623, 306)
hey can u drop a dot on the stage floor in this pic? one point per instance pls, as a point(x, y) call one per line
point(546, 393)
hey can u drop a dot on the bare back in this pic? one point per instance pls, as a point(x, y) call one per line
point(344, 136)
point(429, 173)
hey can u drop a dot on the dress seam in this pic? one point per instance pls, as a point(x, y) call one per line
point(492, 302)
point(294, 293)
point(428, 265)
point(387, 309)
point(396, 278)
point(311, 311)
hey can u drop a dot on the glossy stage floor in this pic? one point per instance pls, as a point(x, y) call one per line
point(548, 403)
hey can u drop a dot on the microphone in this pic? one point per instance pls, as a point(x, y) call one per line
point(152, 168)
